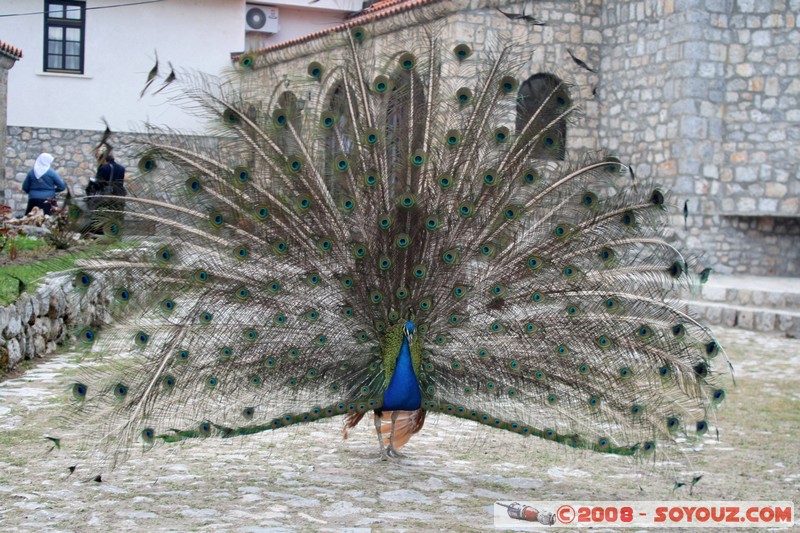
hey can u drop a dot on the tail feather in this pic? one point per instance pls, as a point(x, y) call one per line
point(260, 272)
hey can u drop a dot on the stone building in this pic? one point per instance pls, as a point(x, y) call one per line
point(87, 61)
point(9, 55)
point(704, 95)
point(701, 96)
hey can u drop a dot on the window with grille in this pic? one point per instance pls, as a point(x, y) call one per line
point(64, 36)
point(542, 98)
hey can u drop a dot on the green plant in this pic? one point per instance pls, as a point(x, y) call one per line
point(26, 244)
point(15, 279)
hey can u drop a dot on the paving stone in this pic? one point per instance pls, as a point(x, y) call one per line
point(715, 293)
point(712, 314)
point(728, 317)
point(765, 321)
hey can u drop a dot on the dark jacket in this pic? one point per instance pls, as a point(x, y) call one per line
point(45, 187)
point(111, 173)
point(110, 179)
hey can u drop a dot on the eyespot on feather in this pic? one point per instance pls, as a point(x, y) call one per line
point(315, 70)
point(462, 51)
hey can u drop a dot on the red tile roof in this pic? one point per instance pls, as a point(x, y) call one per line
point(383, 5)
point(12, 51)
point(377, 11)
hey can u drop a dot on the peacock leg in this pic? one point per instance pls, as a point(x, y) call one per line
point(391, 451)
point(384, 455)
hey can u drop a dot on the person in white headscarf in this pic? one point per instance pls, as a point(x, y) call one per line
point(42, 183)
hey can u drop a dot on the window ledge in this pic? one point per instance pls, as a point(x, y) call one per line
point(64, 75)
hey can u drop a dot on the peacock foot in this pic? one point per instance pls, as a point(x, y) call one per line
point(394, 453)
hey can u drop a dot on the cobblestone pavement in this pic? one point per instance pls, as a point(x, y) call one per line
point(309, 478)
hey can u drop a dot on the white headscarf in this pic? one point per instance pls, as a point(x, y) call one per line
point(42, 165)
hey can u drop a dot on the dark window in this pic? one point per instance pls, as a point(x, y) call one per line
point(291, 106)
point(337, 139)
point(404, 127)
point(541, 100)
point(64, 27)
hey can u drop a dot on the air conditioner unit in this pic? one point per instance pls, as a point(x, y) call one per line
point(263, 19)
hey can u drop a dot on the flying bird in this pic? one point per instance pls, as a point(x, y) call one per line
point(686, 214)
point(580, 62)
point(151, 76)
point(522, 16)
point(170, 78)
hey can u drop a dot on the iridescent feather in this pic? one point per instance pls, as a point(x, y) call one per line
point(272, 270)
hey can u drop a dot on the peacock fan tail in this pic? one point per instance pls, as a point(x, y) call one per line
point(395, 245)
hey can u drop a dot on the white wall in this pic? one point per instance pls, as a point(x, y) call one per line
point(194, 34)
point(331, 5)
point(294, 22)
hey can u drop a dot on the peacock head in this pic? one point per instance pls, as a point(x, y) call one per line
point(408, 330)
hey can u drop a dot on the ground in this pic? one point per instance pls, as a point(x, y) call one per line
point(309, 478)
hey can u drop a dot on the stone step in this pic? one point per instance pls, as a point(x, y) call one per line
point(746, 316)
point(751, 291)
point(783, 293)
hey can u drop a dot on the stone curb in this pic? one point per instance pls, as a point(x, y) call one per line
point(746, 317)
point(35, 325)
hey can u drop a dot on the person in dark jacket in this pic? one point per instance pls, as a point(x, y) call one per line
point(109, 180)
point(42, 183)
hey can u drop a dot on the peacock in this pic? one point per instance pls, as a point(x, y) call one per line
point(394, 245)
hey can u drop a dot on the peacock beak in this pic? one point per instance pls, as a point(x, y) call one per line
point(409, 333)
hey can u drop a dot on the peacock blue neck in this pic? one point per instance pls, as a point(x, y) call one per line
point(403, 393)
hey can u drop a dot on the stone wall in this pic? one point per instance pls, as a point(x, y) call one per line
point(572, 26)
point(761, 246)
point(74, 157)
point(700, 96)
point(36, 324)
point(6, 62)
point(703, 96)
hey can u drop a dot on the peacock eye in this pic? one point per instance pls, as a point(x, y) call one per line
point(352, 208)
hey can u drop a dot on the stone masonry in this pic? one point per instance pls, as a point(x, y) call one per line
point(74, 157)
point(37, 323)
point(699, 96)
point(9, 55)
point(703, 95)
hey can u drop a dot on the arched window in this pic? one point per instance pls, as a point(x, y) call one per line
point(337, 139)
point(289, 103)
point(404, 127)
point(548, 95)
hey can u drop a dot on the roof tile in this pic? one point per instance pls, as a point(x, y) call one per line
point(12, 51)
point(378, 10)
